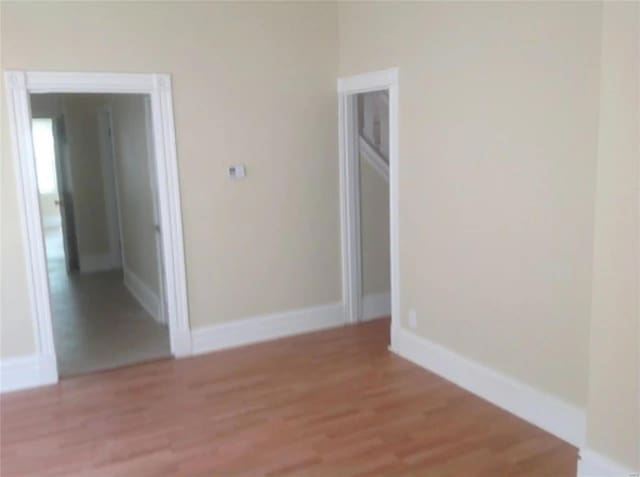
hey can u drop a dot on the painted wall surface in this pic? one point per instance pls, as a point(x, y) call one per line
point(135, 188)
point(253, 84)
point(81, 124)
point(613, 411)
point(16, 331)
point(374, 219)
point(499, 147)
point(498, 130)
point(47, 106)
point(83, 151)
point(373, 126)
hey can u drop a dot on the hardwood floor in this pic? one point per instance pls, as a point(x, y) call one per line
point(334, 403)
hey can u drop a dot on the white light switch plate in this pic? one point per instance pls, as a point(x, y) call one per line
point(237, 171)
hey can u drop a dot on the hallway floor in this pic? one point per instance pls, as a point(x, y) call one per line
point(97, 324)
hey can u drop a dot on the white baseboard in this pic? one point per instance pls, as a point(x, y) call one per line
point(149, 299)
point(25, 372)
point(593, 464)
point(376, 305)
point(97, 263)
point(548, 412)
point(266, 327)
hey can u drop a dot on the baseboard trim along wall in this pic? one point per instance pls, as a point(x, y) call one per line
point(266, 327)
point(24, 372)
point(376, 305)
point(594, 464)
point(148, 299)
point(550, 413)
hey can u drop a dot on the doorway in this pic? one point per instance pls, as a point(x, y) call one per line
point(104, 265)
point(368, 148)
point(100, 243)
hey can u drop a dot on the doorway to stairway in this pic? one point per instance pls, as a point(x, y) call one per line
point(372, 156)
point(368, 132)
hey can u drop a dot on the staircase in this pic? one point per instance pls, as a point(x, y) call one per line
point(373, 130)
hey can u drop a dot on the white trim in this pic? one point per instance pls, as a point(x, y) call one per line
point(19, 85)
point(266, 327)
point(148, 299)
point(19, 118)
point(82, 82)
point(349, 213)
point(594, 464)
point(548, 412)
point(171, 237)
point(376, 305)
point(372, 81)
point(151, 170)
point(96, 262)
point(374, 158)
point(25, 372)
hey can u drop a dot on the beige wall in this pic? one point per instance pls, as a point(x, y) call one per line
point(135, 194)
point(613, 411)
point(83, 151)
point(498, 130)
point(374, 219)
point(253, 83)
point(89, 208)
point(47, 106)
point(16, 333)
point(373, 118)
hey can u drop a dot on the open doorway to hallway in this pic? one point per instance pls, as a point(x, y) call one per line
point(99, 213)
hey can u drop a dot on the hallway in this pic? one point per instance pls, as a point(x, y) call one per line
point(97, 323)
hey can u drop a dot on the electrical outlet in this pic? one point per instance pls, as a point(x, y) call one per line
point(413, 320)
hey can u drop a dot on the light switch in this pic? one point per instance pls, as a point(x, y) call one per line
point(237, 171)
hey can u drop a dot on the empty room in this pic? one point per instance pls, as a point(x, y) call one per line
point(320, 239)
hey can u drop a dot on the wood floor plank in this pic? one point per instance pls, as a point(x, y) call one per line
point(335, 403)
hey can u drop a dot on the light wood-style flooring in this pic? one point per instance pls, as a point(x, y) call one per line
point(335, 403)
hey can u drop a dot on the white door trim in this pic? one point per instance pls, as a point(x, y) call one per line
point(19, 85)
point(161, 315)
point(350, 197)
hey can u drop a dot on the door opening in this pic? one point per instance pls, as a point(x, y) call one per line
point(94, 240)
point(107, 311)
point(368, 135)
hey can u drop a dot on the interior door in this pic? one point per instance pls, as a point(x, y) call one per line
point(65, 197)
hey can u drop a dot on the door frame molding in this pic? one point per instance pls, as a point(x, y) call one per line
point(19, 85)
point(348, 87)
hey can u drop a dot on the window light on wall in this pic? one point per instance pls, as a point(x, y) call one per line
point(44, 150)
